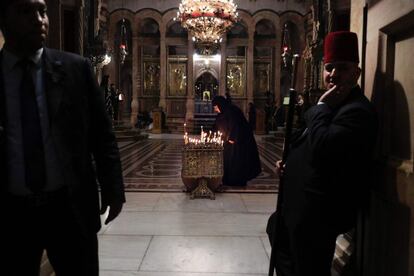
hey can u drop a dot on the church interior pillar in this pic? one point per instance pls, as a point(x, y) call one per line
point(111, 67)
point(163, 70)
point(250, 67)
point(223, 57)
point(190, 82)
point(136, 78)
point(277, 59)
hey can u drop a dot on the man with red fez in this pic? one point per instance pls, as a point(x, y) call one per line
point(326, 173)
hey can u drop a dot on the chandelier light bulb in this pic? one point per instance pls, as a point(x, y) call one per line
point(207, 20)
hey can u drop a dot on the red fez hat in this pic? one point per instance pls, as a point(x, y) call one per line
point(341, 46)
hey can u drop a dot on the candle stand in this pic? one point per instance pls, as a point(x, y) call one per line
point(202, 169)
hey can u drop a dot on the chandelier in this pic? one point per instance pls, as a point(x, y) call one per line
point(123, 46)
point(286, 55)
point(97, 51)
point(207, 20)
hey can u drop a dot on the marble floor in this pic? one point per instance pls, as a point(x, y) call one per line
point(155, 165)
point(168, 234)
point(160, 234)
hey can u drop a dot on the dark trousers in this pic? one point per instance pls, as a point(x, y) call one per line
point(30, 227)
point(305, 249)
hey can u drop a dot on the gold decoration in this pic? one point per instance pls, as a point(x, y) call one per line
point(207, 20)
point(202, 164)
point(151, 78)
point(261, 78)
point(236, 78)
point(202, 190)
point(177, 79)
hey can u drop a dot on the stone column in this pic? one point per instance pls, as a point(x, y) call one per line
point(277, 59)
point(136, 78)
point(111, 67)
point(223, 72)
point(189, 115)
point(250, 67)
point(163, 70)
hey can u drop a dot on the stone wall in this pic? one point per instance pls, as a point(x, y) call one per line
point(250, 6)
point(136, 18)
point(389, 224)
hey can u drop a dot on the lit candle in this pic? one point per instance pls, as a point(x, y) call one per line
point(186, 138)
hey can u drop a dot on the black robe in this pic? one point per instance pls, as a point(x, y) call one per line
point(326, 182)
point(241, 159)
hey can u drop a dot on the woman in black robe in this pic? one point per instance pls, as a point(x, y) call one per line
point(241, 157)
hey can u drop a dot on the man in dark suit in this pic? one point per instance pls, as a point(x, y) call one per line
point(326, 172)
point(56, 141)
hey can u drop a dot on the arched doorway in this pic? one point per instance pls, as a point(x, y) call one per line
point(206, 88)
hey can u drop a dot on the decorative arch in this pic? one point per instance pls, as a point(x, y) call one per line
point(239, 30)
point(247, 21)
point(212, 71)
point(168, 18)
point(147, 14)
point(265, 28)
point(206, 85)
point(174, 29)
point(269, 16)
point(149, 27)
point(117, 16)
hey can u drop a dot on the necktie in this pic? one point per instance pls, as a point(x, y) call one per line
point(34, 158)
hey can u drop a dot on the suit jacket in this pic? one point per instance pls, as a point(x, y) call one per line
point(327, 171)
point(82, 135)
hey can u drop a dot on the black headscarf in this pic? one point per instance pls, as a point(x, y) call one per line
point(221, 102)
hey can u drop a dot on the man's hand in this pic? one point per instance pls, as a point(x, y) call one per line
point(336, 95)
point(231, 141)
point(280, 168)
point(114, 210)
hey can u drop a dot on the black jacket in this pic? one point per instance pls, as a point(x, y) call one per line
point(327, 171)
point(82, 135)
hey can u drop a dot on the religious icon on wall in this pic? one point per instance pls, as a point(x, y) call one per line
point(177, 79)
point(236, 78)
point(151, 78)
point(261, 78)
point(206, 95)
